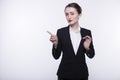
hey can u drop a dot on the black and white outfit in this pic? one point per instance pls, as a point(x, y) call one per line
point(73, 64)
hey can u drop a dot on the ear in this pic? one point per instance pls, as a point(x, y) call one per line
point(80, 15)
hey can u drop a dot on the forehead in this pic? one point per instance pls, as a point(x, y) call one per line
point(70, 9)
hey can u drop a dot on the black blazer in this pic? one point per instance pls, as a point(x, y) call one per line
point(72, 66)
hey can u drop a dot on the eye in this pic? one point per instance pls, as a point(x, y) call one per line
point(71, 13)
point(66, 14)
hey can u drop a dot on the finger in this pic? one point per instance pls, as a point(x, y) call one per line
point(87, 37)
point(84, 38)
point(50, 33)
point(88, 41)
point(52, 40)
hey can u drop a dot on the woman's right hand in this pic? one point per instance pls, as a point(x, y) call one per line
point(53, 39)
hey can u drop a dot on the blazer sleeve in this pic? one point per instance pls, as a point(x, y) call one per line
point(56, 52)
point(91, 52)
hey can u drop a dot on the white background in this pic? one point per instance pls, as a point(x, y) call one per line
point(25, 49)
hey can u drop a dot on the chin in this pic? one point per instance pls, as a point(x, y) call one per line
point(71, 24)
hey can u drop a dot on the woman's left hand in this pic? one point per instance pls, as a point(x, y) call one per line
point(87, 42)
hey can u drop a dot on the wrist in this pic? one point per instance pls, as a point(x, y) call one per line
point(87, 49)
point(55, 46)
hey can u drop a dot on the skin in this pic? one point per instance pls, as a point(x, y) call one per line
point(72, 17)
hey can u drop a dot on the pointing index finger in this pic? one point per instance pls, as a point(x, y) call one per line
point(50, 33)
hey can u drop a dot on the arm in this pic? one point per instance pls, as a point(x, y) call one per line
point(90, 53)
point(90, 50)
point(56, 51)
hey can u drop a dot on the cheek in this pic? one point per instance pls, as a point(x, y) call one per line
point(67, 18)
point(76, 18)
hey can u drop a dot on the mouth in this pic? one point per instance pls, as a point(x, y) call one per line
point(69, 20)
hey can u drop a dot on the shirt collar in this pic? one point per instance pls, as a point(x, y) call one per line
point(78, 30)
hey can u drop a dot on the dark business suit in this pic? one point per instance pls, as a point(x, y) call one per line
point(72, 66)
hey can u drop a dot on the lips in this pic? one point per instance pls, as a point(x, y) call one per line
point(69, 20)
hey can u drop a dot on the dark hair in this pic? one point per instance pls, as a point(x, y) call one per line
point(76, 6)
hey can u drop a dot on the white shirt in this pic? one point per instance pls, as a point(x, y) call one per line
point(75, 38)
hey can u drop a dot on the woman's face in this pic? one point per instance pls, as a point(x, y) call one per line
point(72, 15)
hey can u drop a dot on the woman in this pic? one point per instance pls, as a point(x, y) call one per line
point(74, 42)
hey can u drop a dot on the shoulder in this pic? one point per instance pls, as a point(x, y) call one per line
point(85, 30)
point(63, 29)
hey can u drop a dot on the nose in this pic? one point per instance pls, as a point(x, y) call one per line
point(69, 16)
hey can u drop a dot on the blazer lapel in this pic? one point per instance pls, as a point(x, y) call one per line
point(70, 42)
point(69, 39)
point(80, 43)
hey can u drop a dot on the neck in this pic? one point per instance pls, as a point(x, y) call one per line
point(75, 26)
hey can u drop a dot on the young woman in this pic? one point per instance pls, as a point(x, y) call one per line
point(74, 42)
